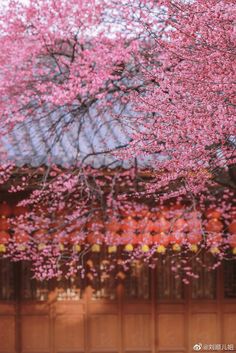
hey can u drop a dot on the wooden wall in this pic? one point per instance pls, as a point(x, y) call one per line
point(99, 327)
point(122, 325)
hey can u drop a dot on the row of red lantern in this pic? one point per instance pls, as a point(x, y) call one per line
point(140, 212)
point(154, 231)
point(162, 238)
point(177, 210)
point(130, 230)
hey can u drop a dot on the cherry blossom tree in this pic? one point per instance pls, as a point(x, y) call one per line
point(169, 65)
point(192, 95)
point(173, 60)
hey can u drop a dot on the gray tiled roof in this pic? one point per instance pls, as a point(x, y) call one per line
point(91, 138)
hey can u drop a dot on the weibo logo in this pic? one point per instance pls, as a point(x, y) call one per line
point(197, 347)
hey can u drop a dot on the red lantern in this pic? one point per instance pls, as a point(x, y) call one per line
point(214, 228)
point(214, 225)
point(180, 225)
point(21, 237)
point(138, 239)
point(232, 227)
point(113, 239)
point(164, 224)
point(178, 237)
point(232, 236)
point(161, 239)
point(194, 222)
point(95, 232)
point(113, 226)
point(194, 238)
point(212, 213)
point(5, 210)
point(130, 238)
point(129, 227)
point(232, 240)
point(146, 226)
point(145, 238)
point(157, 227)
point(4, 237)
point(73, 236)
point(4, 224)
point(129, 224)
point(232, 213)
point(95, 238)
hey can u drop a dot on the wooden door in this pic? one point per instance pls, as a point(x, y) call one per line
point(147, 312)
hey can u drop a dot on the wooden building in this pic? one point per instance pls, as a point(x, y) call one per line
point(140, 311)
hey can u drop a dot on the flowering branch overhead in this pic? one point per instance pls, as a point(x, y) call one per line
point(116, 103)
